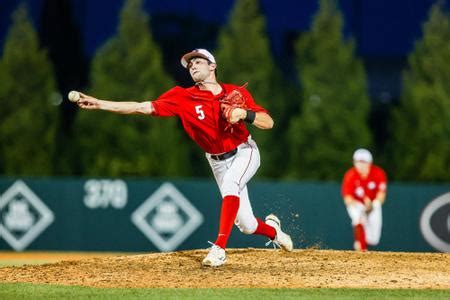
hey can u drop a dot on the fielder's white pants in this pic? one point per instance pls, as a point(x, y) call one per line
point(232, 175)
point(371, 222)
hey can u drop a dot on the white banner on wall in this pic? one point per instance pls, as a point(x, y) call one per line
point(23, 216)
point(167, 218)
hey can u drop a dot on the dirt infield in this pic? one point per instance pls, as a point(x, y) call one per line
point(245, 268)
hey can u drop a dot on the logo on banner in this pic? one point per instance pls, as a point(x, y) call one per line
point(167, 218)
point(23, 216)
point(435, 223)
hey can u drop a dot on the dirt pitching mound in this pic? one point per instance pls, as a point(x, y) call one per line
point(246, 268)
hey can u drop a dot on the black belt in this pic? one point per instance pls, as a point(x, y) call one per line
point(225, 155)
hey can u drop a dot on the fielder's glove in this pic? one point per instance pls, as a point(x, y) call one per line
point(369, 206)
point(230, 102)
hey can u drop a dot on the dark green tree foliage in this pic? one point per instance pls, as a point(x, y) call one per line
point(244, 55)
point(129, 67)
point(421, 124)
point(27, 115)
point(60, 35)
point(335, 106)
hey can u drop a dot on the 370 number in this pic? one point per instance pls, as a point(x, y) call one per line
point(104, 193)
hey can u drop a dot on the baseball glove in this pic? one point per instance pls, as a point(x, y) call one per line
point(231, 101)
point(368, 205)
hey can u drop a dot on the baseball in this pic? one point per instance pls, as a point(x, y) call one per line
point(74, 96)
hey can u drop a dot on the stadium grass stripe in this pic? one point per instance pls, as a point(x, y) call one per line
point(42, 291)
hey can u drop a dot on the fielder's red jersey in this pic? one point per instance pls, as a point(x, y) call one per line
point(200, 114)
point(358, 187)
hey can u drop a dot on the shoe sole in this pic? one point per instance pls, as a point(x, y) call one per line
point(292, 246)
point(209, 263)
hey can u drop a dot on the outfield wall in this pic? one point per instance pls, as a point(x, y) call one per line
point(163, 215)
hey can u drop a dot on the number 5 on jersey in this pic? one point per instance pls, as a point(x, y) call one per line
point(200, 112)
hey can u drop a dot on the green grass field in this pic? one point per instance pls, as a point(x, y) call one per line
point(31, 291)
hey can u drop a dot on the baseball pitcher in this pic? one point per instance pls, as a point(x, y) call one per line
point(214, 115)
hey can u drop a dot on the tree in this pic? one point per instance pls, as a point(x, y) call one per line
point(27, 91)
point(420, 126)
point(60, 35)
point(244, 55)
point(129, 66)
point(334, 113)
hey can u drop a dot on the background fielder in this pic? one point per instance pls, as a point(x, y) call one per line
point(364, 192)
point(218, 127)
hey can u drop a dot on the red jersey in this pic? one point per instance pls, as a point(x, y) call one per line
point(200, 114)
point(358, 187)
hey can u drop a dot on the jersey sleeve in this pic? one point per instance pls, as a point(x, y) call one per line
point(347, 184)
point(381, 179)
point(251, 104)
point(167, 104)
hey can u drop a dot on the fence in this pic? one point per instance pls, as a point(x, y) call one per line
point(84, 214)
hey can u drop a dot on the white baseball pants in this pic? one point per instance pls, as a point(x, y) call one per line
point(232, 175)
point(372, 222)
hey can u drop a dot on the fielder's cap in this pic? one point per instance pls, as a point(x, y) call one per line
point(362, 155)
point(203, 53)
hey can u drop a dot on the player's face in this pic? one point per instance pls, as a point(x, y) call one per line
point(362, 167)
point(200, 69)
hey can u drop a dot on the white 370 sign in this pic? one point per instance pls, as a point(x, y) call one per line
point(104, 193)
